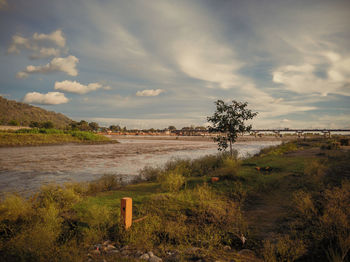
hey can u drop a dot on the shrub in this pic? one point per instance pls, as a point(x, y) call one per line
point(104, 183)
point(325, 221)
point(180, 166)
point(205, 165)
point(150, 173)
point(171, 181)
point(98, 220)
point(229, 168)
point(284, 249)
point(279, 150)
point(64, 198)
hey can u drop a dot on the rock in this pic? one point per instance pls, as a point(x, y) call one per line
point(150, 253)
point(106, 243)
point(174, 256)
point(138, 253)
point(155, 259)
point(227, 248)
point(124, 248)
point(125, 252)
point(144, 256)
point(110, 247)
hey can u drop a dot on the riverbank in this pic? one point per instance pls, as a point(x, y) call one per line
point(288, 202)
point(56, 137)
point(204, 138)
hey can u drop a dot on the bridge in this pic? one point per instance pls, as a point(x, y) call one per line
point(277, 132)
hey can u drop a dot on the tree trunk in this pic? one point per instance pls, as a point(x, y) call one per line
point(231, 148)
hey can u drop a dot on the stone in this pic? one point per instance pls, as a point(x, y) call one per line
point(138, 253)
point(227, 248)
point(155, 259)
point(125, 247)
point(106, 243)
point(174, 256)
point(144, 256)
point(110, 247)
point(150, 253)
point(125, 252)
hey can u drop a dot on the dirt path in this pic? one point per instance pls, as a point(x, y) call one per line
point(267, 212)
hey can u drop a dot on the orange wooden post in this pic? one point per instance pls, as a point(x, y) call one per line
point(126, 211)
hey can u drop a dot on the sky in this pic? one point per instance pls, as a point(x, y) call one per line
point(156, 63)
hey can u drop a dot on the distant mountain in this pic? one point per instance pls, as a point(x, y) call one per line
point(15, 112)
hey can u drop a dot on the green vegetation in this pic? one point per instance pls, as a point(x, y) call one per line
point(291, 202)
point(230, 121)
point(42, 136)
point(16, 113)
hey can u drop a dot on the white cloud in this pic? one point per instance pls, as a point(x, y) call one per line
point(46, 52)
point(304, 80)
point(55, 37)
point(42, 45)
point(76, 87)
point(58, 64)
point(150, 92)
point(51, 98)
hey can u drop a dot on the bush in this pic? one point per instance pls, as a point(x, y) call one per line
point(279, 150)
point(229, 169)
point(98, 219)
point(205, 165)
point(180, 166)
point(324, 221)
point(104, 183)
point(63, 198)
point(171, 181)
point(150, 173)
point(284, 249)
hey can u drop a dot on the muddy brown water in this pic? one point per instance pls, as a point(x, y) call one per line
point(25, 169)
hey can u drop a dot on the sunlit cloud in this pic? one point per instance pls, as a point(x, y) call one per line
point(149, 92)
point(77, 88)
point(58, 64)
point(51, 98)
point(41, 45)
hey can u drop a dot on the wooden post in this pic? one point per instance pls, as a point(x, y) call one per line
point(126, 211)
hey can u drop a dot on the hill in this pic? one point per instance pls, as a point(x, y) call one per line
point(12, 112)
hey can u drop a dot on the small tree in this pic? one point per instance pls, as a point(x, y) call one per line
point(229, 121)
point(94, 126)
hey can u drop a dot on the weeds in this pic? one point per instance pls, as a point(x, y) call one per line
point(171, 181)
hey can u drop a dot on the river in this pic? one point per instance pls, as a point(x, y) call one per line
point(25, 169)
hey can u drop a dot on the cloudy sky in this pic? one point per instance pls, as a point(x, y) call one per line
point(158, 63)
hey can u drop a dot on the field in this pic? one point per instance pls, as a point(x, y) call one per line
point(287, 203)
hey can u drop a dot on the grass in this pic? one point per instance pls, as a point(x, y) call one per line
point(296, 210)
point(32, 137)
